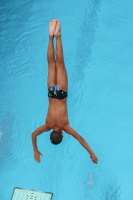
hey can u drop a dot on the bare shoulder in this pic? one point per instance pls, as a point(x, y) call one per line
point(44, 127)
point(66, 127)
point(47, 126)
point(69, 130)
point(72, 132)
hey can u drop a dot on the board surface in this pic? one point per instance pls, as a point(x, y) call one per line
point(24, 194)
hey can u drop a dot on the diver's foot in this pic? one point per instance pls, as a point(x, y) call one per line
point(57, 31)
point(52, 25)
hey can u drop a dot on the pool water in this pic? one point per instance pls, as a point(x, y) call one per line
point(98, 49)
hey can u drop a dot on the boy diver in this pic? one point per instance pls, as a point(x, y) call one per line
point(57, 116)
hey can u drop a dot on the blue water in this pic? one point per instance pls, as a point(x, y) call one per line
point(98, 47)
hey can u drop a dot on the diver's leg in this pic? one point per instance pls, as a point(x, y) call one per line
point(50, 55)
point(61, 74)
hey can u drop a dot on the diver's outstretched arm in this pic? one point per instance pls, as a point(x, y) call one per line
point(37, 132)
point(72, 132)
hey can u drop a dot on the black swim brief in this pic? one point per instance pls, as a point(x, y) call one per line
point(55, 92)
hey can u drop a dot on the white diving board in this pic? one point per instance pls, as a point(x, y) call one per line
point(24, 194)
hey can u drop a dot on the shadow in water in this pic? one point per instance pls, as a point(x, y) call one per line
point(111, 191)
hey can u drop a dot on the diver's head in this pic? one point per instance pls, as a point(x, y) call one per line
point(56, 137)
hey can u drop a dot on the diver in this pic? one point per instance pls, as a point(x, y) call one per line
point(57, 116)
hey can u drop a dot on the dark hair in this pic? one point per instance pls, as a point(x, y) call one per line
point(56, 137)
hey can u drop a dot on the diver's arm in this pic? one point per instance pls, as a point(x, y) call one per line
point(37, 132)
point(72, 132)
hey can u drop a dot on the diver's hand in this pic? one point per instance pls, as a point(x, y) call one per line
point(94, 158)
point(37, 155)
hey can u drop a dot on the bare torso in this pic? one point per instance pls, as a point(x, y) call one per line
point(57, 115)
